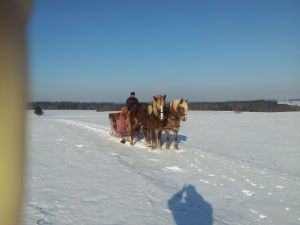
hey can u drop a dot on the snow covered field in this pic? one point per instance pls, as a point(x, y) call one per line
point(235, 169)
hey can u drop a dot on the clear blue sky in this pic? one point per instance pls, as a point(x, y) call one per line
point(100, 50)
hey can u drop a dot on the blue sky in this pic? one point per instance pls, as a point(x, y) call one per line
point(100, 50)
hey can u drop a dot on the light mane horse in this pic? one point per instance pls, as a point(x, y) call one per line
point(177, 112)
point(149, 116)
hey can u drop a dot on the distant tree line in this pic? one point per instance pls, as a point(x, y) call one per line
point(237, 106)
point(102, 106)
point(241, 106)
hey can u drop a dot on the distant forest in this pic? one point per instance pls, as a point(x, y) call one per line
point(237, 106)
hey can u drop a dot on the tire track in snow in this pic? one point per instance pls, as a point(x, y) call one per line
point(247, 167)
point(223, 169)
point(150, 184)
point(223, 160)
point(226, 169)
point(104, 131)
point(98, 129)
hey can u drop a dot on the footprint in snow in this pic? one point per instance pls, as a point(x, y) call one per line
point(229, 197)
point(154, 160)
point(261, 216)
point(174, 168)
point(43, 222)
point(116, 155)
point(95, 198)
point(112, 153)
point(79, 146)
point(205, 181)
point(248, 193)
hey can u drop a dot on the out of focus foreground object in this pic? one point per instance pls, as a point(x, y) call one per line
point(13, 74)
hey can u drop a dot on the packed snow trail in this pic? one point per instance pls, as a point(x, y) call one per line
point(224, 173)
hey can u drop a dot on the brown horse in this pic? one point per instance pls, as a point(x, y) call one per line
point(176, 113)
point(149, 116)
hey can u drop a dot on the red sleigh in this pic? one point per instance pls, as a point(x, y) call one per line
point(120, 125)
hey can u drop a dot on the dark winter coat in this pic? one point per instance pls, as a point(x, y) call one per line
point(131, 101)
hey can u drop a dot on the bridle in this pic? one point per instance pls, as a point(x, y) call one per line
point(161, 113)
point(178, 112)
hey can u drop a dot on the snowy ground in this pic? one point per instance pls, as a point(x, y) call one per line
point(235, 169)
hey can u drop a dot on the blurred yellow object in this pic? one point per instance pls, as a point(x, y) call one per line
point(13, 76)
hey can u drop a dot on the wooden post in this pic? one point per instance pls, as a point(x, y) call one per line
point(13, 79)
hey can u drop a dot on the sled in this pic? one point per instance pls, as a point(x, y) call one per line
point(119, 123)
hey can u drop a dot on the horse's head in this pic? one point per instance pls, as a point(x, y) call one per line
point(180, 106)
point(159, 105)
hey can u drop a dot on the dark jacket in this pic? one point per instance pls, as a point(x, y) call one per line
point(131, 101)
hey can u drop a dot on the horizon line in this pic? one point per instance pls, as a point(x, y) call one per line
point(117, 102)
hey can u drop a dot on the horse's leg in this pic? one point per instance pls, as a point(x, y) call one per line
point(175, 131)
point(153, 138)
point(159, 132)
point(145, 133)
point(167, 139)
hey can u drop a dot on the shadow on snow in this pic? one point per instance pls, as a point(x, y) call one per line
point(180, 138)
point(189, 208)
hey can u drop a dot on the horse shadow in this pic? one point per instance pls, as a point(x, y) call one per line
point(189, 208)
point(180, 138)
